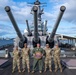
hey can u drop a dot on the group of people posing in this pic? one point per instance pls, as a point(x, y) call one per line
point(38, 54)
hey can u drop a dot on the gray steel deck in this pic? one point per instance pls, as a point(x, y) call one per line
point(6, 69)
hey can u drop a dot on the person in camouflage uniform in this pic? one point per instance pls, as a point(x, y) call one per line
point(25, 57)
point(38, 51)
point(57, 58)
point(16, 59)
point(48, 57)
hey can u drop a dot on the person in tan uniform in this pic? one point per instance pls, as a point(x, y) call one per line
point(16, 59)
point(57, 58)
point(25, 57)
point(48, 57)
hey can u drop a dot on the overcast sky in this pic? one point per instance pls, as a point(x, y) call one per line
point(21, 11)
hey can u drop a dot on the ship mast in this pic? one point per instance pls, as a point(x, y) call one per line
point(41, 25)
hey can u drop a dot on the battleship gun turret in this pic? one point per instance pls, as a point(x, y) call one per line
point(21, 37)
point(29, 32)
point(50, 39)
point(37, 32)
point(36, 39)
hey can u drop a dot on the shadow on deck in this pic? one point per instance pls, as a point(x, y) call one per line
point(6, 69)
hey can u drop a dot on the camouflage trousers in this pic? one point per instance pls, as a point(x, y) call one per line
point(39, 63)
point(48, 62)
point(25, 61)
point(16, 62)
point(57, 62)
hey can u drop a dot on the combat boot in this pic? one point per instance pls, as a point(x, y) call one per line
point(60, 70)
point(23, 70)
point(13, 71)
point(56, 70)
point(40, 71)
point(28, 70)
point(45, 70)
point(50, 70)
point(33, 71)
point(19, 70)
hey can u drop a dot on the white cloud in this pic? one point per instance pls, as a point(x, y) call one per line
point(48, 16)
point(56, 0)
point(21, 12)
point(69, 14)
point(7, 31)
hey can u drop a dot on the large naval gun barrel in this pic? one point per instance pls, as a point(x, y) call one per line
point(21, 37)
point(44, 31)
point(36, 39)
point(29, 32)
point(50, 39)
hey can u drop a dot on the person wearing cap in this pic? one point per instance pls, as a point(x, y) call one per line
point(56, 56)
point(16, 59)
point(25, 57)
point(38, 54)
point(48, 57)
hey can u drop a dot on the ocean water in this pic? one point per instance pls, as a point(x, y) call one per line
point(6, 42)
